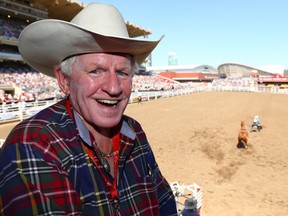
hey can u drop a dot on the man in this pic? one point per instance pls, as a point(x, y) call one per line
point(82, 156)
point(190, 207)
point(256, 123)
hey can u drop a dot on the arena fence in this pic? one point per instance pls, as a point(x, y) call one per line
point(23, 110)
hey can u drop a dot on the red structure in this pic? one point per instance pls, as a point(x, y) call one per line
point(277, 80)
point(187, 77)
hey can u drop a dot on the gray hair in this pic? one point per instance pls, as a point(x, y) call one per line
point(67, 64)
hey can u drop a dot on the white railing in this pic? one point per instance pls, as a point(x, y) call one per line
point(20, 111)
point(156, 95)
point(184, 192)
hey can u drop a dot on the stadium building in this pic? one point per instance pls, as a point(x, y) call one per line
point(267, 76)
point(186, 73)
point(235, 70)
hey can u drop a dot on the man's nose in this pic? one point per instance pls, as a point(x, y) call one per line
point(112, 84)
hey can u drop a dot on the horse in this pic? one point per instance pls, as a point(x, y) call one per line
point(243, 136)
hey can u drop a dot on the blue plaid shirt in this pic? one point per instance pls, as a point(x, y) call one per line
point(45, 170)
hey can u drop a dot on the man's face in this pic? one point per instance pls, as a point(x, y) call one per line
point(100, 87)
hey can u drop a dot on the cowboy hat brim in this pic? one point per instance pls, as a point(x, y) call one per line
point(46, 43)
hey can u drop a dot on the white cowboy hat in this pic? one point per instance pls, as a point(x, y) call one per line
point(97, 28)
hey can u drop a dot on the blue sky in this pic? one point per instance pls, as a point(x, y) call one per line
point(251, 32)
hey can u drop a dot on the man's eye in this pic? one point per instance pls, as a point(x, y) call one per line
point(95, 72)
point(123, 74)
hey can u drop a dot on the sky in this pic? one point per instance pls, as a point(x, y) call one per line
point(212, 32)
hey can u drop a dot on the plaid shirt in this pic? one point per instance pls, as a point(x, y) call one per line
point(45, 170)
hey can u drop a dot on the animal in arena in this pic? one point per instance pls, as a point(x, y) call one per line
point(243, 136)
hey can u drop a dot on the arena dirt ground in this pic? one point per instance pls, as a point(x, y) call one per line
point(194, 139)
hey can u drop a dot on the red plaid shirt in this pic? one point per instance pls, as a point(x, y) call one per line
point(45, 170)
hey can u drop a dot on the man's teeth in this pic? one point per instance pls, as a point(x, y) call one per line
point(110, 102)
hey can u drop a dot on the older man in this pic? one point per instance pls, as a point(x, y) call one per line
point(82, 156)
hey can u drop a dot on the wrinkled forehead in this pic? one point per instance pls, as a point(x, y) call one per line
point(107, 58)
point(120, 60)
point(86, 55)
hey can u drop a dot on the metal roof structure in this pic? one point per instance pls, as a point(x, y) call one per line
point(233, 69)
point(55, 9)
point(184, 68)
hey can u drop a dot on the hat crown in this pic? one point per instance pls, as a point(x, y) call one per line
point(102, 19)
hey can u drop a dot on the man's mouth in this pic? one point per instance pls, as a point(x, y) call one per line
point(108, 102)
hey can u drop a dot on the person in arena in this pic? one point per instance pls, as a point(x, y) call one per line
point(190, 207)
point(82, 155)
point(256, 123)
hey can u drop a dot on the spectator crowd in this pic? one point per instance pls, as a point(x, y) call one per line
point(234, 82)
point(11, 28)
point(37, 86)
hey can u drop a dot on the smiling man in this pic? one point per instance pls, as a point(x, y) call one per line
point(82, 156)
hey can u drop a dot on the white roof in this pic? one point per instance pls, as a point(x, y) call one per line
point(275, 69)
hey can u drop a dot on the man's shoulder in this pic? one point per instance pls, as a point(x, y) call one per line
point(31, 128)
point(133, 123)
point(54, 111)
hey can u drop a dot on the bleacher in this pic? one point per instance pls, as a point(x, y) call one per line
point(11, 28)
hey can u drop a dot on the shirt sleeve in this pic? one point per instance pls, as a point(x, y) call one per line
point(33, 184)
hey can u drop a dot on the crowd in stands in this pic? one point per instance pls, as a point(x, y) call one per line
point(37, 86)
point(153, 83)
point(32, 85)
point(11, 28)
point(234, 82)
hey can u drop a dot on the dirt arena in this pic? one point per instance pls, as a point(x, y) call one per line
point(194, 138)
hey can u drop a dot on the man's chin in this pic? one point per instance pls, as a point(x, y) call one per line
point(108, 124)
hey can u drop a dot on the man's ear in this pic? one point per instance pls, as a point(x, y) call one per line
point(62, 80)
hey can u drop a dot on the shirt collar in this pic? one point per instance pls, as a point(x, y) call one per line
point(84, 132)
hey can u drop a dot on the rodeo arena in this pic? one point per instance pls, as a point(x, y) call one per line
point(24, 91)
